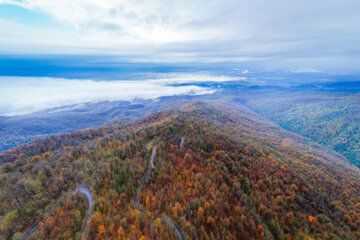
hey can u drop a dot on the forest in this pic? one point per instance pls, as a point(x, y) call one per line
point(237, 176)
point(331, 119)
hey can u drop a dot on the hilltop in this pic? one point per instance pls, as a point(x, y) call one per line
point(235, 175)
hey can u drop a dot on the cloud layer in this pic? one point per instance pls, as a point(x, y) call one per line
point(21, 95)
point(190, 30)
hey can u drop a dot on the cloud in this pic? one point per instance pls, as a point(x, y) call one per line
point(191, 30)
point(176, 78)
point(141, 21)
point(305, 70)
point(21, 95)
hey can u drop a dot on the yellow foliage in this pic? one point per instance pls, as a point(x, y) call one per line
point(312, 220)
point(200, 212)
point(262, 207)
point(35, 158)
point(120, 232)
point(237, 209)
point(101, 229)
point(261, 231)
point(210, 220)
point(157, 221)
point(46, 155)
point(147, 201)
point(293, 187)
point(347, 218)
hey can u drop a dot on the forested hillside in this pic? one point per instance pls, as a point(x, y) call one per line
point(22, 129)
point(235, 176)
point(330, 119)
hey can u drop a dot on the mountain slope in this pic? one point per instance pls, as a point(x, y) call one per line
point(235, 176)
point(329, 119)
point(26, 128)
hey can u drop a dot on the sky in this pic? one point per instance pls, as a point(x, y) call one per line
point(55, 53)
point(321, 33)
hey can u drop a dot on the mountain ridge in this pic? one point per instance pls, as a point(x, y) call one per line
point(235, 169)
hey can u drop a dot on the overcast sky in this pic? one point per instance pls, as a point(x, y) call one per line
point(187, 30)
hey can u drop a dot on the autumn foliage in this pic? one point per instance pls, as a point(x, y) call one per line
point(236, 178)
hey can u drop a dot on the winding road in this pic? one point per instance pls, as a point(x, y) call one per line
point(79, 189)
point(182, 143)
point(165, 220)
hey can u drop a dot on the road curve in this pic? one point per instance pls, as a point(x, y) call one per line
point(165, 220)
point(83, 189)
point(79, 189)
point(181, 143)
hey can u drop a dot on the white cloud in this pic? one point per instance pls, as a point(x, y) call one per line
point(176, 78)
point(21, 95)
point(190, 30)
point(120, 20)
point(305, 70)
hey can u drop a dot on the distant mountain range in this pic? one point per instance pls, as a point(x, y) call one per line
point(327, 112)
